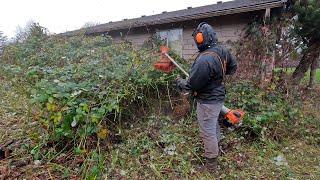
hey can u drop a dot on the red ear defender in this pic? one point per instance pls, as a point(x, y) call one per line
point(199, 38)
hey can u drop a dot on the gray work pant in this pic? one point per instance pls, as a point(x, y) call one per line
point(207, 115)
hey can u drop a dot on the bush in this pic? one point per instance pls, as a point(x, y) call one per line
point(80, 86)
point(268, 112)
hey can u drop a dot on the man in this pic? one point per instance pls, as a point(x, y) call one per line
point(206, 84)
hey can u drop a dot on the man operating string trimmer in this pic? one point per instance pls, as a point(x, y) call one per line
point(206, 84)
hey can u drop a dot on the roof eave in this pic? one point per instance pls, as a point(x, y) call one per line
point(104, 27)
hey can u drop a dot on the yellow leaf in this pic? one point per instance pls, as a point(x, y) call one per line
point(51, 107)
point(103, 134)
point(57, 118)
point(94, 119)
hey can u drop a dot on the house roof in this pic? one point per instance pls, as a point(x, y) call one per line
point(219, 9)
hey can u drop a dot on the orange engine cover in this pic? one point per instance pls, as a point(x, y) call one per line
point(234, 116)
point(164, 65)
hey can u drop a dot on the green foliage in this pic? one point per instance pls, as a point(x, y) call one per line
point(82, 88)
point(307, 26)
point(32, 31)
point(95, 166)
point(82, 85)
point(261, 37)
point(266, 111)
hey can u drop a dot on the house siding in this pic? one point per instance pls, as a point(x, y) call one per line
point(228, 28)
point(137, 37)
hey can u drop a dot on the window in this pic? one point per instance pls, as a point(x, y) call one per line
point(173, 37)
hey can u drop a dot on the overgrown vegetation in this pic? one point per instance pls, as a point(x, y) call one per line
point(97, 108)
point(256, 50)
point(80, 86)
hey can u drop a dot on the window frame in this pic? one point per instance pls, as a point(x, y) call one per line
point(167, 31)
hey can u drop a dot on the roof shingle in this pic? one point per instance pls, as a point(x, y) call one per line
point(218, 9)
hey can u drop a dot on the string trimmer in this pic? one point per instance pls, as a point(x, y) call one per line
point(167, 64)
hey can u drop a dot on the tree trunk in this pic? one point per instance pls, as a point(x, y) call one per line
point(313, 72)
point(304, 64)
point(301, 69)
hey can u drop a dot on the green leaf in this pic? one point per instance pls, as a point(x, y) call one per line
point(85, 107)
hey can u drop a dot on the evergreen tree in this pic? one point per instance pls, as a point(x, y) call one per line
point(307, 30)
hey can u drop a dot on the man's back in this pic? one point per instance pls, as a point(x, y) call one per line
point(206, 76)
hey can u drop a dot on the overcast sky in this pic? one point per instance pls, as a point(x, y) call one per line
point(64, 15)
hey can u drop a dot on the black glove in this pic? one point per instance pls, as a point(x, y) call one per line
point(181, 83)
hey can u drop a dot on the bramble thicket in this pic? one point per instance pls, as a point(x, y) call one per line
point(86, 94)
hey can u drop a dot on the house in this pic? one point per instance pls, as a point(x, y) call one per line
point(227, 18)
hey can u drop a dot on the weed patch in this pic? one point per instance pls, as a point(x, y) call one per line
point(83, 107)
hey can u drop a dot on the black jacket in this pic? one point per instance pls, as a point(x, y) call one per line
point(206, 77)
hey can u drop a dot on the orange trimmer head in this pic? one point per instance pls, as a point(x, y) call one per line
point(164, 64)
point(235, 116)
